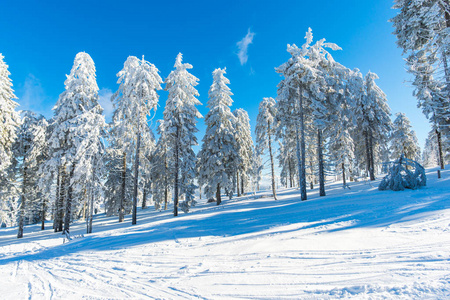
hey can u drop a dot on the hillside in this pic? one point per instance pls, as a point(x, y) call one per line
point(357, 243)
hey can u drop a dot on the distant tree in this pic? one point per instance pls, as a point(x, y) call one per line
point(161, 172)
point(219, 157)
point(430, 154)
point(29, 154)
point(403, 139)
point(180, 119)
point(265, 130)
point(245, 148)
point(372, 118)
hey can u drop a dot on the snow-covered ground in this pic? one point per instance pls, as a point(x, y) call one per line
point(359, 243)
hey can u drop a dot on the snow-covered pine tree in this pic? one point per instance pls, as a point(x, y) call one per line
point(403, 140)
point(372, 118)
point(161, 172)
point(422, 30)
point(29, 154)
point(66, 143)
point(219, 157)
point(180, 119)
point(265, 131)
point(134, 100)
point(430, 154)
point(243, 136)
point(9, 117)
point(9, 124)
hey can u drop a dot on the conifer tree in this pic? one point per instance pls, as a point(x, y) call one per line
point(219, 157)
point(403, 139)
point(245, 148)
point(265, 131)
point(180, 119)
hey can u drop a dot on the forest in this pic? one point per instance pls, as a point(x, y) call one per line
point(327, 122)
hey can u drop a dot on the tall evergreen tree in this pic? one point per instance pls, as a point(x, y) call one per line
point(219, 156)
point(180, 119)
point(245, 148)
point(136, 97)
point(265, 131)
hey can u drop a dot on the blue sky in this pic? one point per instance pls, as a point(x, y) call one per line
point(40, 39)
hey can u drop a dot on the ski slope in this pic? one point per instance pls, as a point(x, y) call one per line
point(359, 243)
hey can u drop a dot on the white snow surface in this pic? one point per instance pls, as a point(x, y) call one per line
point(359, 243)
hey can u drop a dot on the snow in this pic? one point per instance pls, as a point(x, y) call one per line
point(358, 243)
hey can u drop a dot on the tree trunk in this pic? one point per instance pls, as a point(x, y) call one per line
point(22, 203)
point(321, 167)
point(57, 200)
point(144, 197)
point(166, 183)
point(290, 173)
point(175, 189)
point(136, 175)
point(301, 147)
point(372, 167)
point(311, 184)
point(242, 185)
point(122, 197)
point(271, 160)
point(62, 198)
point(69, 201)
point(343, 175)
point(237, 184)
point(366, 141)
point(441, 153)
point(218, 198)
point(44, 208)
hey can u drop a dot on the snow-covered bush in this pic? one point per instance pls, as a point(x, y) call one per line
point(401, 177)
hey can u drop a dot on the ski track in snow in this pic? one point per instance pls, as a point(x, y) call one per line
point(359, 243)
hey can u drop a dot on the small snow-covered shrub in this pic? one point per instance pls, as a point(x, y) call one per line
point(401, 177)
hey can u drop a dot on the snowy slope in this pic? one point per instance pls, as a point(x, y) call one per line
point(359, 243)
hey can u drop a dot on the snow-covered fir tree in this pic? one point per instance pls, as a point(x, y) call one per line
point(134, 100)
point(76, 113)
point(30, 152)
point(422, 30)
point(265, 131)
point(180, 119)
point(162, 181)
point(373, 122)
point(403, 139)
point(9, 117)
point(430, 154)
point(243, 136)
point(219, 157)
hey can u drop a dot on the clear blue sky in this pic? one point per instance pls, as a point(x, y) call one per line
point(40, 39)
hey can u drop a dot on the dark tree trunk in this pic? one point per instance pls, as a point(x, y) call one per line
point(242, 185)
point(218, 197)
point(62, 199)
point(44, 208)
point(68, 214)
point(321, 167)
point(237, 184)
point(301, 147)
point(136, 175)
point(372, 167)
point(57, 200)
point(144, 198)
point(290, 173)
point(311, 184)
point(269, 133)
point(22, 203)
point(343, 175)
point(441, 153)
point(366, 141)
point(166, 183)
point(122, 196)
point(175, 189)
